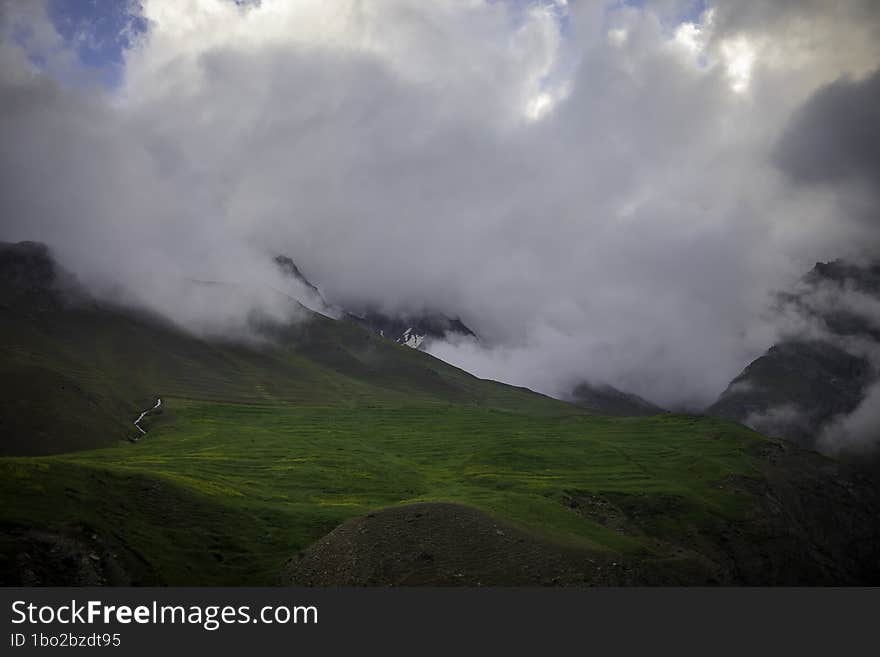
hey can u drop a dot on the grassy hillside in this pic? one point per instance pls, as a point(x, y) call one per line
point(75, 373)
point(277, 477)
point(222, 493)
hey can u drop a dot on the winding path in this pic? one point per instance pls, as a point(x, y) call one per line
point(141, 416)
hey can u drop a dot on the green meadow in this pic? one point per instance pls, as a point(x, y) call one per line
point(222, 493)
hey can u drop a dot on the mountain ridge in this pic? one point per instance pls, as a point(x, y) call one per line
point(415, 330)
point(93, 366)
point(804, 383)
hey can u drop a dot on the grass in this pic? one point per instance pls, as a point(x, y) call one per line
point(224, 493)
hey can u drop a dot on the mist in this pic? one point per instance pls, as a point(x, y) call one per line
point(602, 191)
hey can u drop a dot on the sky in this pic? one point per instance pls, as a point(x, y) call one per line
point(603, 191)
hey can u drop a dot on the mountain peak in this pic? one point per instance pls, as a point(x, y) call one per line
point(288, 267)
point(865, 278)
point(27, 265)
point(28, 270)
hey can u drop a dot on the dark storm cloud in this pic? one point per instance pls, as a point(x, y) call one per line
point(835, 136)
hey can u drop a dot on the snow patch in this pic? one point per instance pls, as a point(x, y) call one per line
point(413, 340)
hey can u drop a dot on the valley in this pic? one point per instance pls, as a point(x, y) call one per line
point(324, 454)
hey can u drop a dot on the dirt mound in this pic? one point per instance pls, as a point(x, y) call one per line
point(72, 556)
point(443, 544)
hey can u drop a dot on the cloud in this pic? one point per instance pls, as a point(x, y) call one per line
point(858, 433)
point(595, 197)
point(835, 136)
point(781, 420)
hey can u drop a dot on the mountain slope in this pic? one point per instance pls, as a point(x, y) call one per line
point(608, 400)
point(794, 389)
point(801, 385)
point(76, 372)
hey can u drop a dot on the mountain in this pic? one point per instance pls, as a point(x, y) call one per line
point(608, 400)
point(321, 453)
point(418, 330)
point(25, 268)
point(415, 330)
point(76, 372)
point(794, 389)
point(805, 382)
point(864, 277)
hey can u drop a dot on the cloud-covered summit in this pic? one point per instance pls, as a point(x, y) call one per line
point(596, 188)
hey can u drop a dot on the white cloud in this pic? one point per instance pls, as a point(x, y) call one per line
point(739, 58)
point(857, 433)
